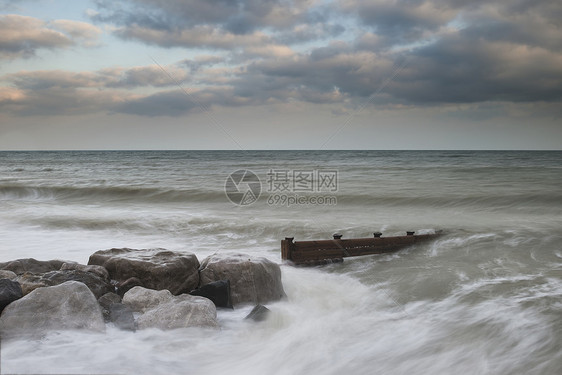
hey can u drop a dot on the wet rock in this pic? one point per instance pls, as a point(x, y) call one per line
point(142, 299)
point(125, 286)
point(70, 305)
point(156, 268)
point(252, 279)
point(160, 309)
point(21, 266)
point(182, 312)
point(29, 282)
point(5, 274)
point(98, 270)
point(259, 313)
point(107, 300)
point(10, 291)
point(122, 316)
point(96, 284)
point(217, 291)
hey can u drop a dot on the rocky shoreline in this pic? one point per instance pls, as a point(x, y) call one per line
point(132, 289)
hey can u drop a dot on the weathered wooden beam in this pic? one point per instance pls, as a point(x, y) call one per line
point(287, 247)
point(328, 251)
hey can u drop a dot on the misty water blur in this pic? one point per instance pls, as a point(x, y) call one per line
point(484, 298)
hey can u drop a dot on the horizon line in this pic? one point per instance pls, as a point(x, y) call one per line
point(251, 150)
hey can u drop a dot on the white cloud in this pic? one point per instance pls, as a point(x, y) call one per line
point(23, 36)
point(87, 34)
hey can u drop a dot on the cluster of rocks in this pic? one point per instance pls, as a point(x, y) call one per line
point(133, 289)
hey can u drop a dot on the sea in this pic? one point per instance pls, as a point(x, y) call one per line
point(483, 298)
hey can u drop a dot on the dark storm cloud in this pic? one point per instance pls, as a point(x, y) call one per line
point(453, 70)
point(184, 100)
point(458, 69)
point(58, 92)
point(400, 52)
point(165, 15)
point(536, 24)
point(401, 20)
point(310, 32)
point(235, 16)
point(55, 101)
point(140, 76)
point(152, 75)
point(353, 72)
point(497, 53)
point(42, 80)
point(119, 90)
point(216, 24)
point(202, 61)
point(457, 51)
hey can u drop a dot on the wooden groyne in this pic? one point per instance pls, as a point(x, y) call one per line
point(333, 251)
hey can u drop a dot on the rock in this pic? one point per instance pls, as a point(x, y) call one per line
point(125, 286)
point(182, 312)
point(96, 284)
point(252, 279)
point(122, 316)
point(259, 313)
point(20, 266)
point(5, 274)
point(217, 291)
point(155, 268)
point(29, 282)
point(9, 292)
point(107, 300)
point(160, 309)
point(142, 299)
point(70, 305)
point(98, 270)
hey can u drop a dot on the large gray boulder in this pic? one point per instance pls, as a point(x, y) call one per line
point(67, 306)
point(20, 266)
point(160, 309)
point(98, 285)
point(254, 280)
point(155, 268)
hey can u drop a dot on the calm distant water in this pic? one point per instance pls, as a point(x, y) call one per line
point(486, 298)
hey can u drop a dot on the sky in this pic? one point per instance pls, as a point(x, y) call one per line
point(280, 74)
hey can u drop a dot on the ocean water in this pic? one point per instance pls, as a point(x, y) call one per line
point(485, 298)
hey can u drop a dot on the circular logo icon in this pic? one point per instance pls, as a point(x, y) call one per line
point(242, 187)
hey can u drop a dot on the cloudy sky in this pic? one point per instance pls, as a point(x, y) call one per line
point(280, 74)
